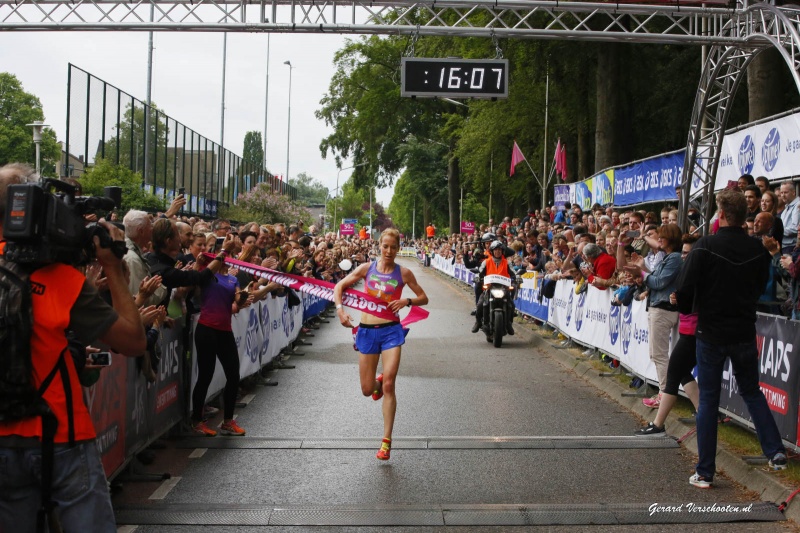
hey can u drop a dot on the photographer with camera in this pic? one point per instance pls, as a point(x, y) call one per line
point(68, 484)
point(163, 261)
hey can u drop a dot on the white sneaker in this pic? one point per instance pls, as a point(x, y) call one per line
point(699, 481)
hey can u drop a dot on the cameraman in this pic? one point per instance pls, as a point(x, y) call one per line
point(66, 301)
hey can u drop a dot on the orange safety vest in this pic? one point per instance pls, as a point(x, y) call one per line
point(56, 288)
point(500, 270)
point(362, 234)
point(431, 231)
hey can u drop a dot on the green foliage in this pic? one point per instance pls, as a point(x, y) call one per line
point(372, 124)
point(350, 203)
point(253, 148)
point(126, 145)
point(266, 207)
point(18, 108)
point(370, 119)
point(106, 174)
point(309, 190)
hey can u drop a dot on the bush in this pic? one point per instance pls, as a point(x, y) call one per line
point(105, 174)
point(266, 207)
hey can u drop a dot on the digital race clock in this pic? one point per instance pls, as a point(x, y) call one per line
point(454, 78)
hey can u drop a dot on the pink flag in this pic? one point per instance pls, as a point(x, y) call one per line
point(516, 158)
point(558, 157)
point(563, 159)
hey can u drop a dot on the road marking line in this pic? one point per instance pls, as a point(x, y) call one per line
point(198, 453)
point(162, 491)
point(127, 529)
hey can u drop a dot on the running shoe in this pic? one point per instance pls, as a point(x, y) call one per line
point(385, 451)
point(202, 429)
point(378, 394)
point(653, 402)
point(231, 428)
point(650, 429)
point(699, 481)
point(778, 462)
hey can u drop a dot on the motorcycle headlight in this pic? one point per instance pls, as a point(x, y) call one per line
point(498, 293)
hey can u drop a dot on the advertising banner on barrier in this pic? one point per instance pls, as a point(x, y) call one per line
point(107, 403)
point(467, 227)
point(528, 300)
point(583, 194)
point(623, 333)
point(261, 331)
point(771, 149)
point(650, 180)
point(603, 187)
point(776, 339)
point(561, 195)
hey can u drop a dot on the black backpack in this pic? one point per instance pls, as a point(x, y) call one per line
point(19, 398)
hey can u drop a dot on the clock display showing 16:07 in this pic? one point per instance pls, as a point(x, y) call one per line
point(455, 78)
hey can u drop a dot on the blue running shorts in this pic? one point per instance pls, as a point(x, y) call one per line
point(372, 340)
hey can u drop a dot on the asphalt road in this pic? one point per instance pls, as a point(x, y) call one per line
point(451, 384)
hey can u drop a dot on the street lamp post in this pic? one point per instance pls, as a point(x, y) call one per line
point(327, 197)
point(336, 204)
point(289, 121)
point(37, 126)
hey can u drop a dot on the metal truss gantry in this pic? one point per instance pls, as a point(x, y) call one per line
point(524, 19)
point(755, 29)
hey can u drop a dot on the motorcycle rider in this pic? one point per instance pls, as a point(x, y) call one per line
point(497, 264)
point(477, 260)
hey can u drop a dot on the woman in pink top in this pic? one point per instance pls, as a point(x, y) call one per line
point(681, 363)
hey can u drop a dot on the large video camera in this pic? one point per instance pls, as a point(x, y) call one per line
point(43, 227)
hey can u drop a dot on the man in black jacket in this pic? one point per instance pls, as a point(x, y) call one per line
point(722, 279)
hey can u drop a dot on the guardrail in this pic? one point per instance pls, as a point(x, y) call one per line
point(622, 332)
point(129, 413)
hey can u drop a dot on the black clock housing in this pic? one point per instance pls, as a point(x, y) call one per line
point(454, 78)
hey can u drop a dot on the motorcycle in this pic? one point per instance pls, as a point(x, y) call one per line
point(497, 308)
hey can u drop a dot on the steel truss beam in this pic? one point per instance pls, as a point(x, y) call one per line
point(758, 27)
point(525, 19)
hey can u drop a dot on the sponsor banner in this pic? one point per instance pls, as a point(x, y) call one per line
point(347, 229)
point(408, 251)
point(603, 187)
point(467, 227)
point(312, 305)
point(583, 193)
point(528, 299)
point(169, 408)
point(106, 401)
point(650, 180)
point(261, 331)
point(771, 149)
point(561, 195)
point(623, 333)
point(776, 341)
point(210, 207)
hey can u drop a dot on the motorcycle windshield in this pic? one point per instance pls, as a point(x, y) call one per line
point(497, 279)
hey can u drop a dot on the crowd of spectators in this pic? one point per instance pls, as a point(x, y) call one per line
point(594, 247)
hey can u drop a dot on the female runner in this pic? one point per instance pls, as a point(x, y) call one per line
point(377, 337)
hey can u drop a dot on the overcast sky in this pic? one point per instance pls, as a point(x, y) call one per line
point(187, 84)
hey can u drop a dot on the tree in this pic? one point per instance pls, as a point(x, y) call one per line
point(253, 148)
point(309, 190)
point(126, 147)
point(370, 119)
point(105, 174)
point(18, 108)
